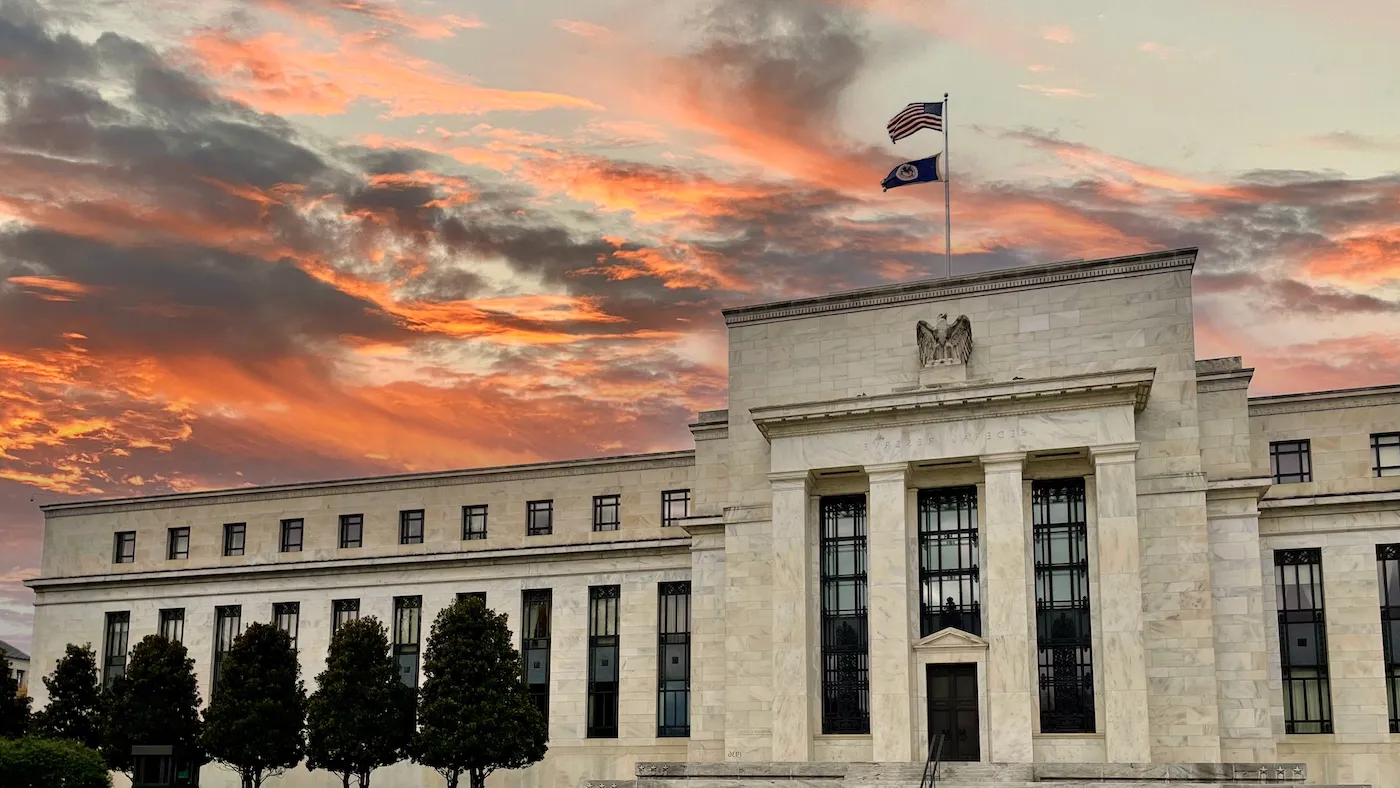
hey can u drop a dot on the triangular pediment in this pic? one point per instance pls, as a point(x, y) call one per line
point(950, 637)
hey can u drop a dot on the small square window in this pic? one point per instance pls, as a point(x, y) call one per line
point(1290, 462)
point(411, 526)
point(1385, 451)
point(352, 530)
point(235, 537)
point(474, 522)
point(607, 512)
point(675, 506)
point(291, 535)
point(179, 544)
point(124, 549)
point(539, 518)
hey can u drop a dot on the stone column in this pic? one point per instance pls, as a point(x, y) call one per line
point(892, 689)
point(793, 587)
point(1351, 598)
point(707, 633)
point(1010, 692)
point(1124, 661)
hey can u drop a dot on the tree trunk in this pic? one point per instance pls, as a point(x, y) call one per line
point(478, 778)
point(452, 778)
point(364, 778)
point(345, 780)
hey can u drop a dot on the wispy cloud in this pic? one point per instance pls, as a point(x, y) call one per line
point(1057, 92)
point(582, 29)
point(1059, 34)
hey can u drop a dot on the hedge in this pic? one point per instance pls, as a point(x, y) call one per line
point(51, 763)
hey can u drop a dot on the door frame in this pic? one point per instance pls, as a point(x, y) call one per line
point(964, 668)
point(950, 646)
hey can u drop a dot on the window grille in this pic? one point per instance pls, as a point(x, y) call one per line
point(603, 661)
point(539, 518)
point(950, 593)
point(1064, 640)
point(1290, 462)
point(845, 639)
point(536, 606)
point(474, 522)
point(673, 650)
point(1302, 633)
point(352, 530)
point(408, 617)
point(607, 512)
point(114, 646)
point(172, 624)
point(675, 506)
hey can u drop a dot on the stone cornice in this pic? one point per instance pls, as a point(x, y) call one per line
point(1224, 381)
point(947, 403)
point(1113, 453)
point(504, 473)
point(375, 564)
point(972, 284)
point(1313, 504)
point(1325, 400)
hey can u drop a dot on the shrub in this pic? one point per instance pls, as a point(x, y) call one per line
point(51, 763)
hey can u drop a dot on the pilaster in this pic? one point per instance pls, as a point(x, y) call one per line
point(892, 689)
point(1124, 661)
point(1010, 692)
point(1356, 659)
point(792, 629)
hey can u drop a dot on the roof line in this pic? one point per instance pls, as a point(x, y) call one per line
point(1355, 392)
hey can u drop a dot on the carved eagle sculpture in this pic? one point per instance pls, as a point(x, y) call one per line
point(944, 343)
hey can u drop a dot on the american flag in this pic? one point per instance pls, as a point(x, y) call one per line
point(919, 115)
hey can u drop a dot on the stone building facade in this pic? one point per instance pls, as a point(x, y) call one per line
point(1078, 545)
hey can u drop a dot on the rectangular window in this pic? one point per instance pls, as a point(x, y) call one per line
point(474, 522)
point(602, 661)
point(1388, 566)
point(178, 544)
point(408, 618)
point(291, 535)
point(536, 604)
point(539, 518)
point(845, 636)
point(287, 617)
point(352, 530)
point(673, 652)
point(228, 624)
point(1064, 640)
point(1302, 635)
point(675, 506)
point(114, 646)
point(607, 512)
point(479, 596)
point(235, 534)
point(949, 592)
point(343, 610)
point(172, 624)
point(1290, 462)
point(124, 547)
point(411, 526)
point(1385, 451)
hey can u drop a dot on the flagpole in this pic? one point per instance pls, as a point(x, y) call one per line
point(947, 199)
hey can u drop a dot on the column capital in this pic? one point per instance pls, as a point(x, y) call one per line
point(886, 472)
point(1003, 462)
point(1113, 453)
point(791, 480)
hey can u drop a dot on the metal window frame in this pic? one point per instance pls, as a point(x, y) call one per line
point(1304, 568)
point(402, 620)
point(172, 535)
point(116, 638)
point(673, 496)
point(287, 617)
point(406, 520)
point(287, 528)
point(845, 636)
point(965, 572)
point(1302, 448)
point(1388, 561)
point(673, 629)
point(120, 541)
point(1064, 662)
point(473, 515)
point(479, 595)
point(172, 618)
point(1384, 440)
point(535, 635)
point(340, 612)
point(347, 520)
point(230, 529)
point(223, 614)
point(607, 512)
point(604, 618)
point(532, 508)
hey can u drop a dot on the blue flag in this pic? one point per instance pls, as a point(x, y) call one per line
point(921, 171)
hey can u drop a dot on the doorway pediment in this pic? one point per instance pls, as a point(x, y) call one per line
point(950, 638)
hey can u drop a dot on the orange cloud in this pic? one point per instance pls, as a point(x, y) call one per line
point(582, 29)
point(1060, 34)
point(50, 288)
point(1366, 255)
point(1054, 92)
point(320, 14)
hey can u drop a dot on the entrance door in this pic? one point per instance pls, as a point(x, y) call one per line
point(952, 710)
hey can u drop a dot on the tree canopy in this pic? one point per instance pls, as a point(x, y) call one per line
point(256, 720)
point(14, 708)
point(74, 711)
point(474, 714)
point(361, 715)
point(156, 702)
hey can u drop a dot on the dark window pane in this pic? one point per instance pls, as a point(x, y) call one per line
point(179, 546)
point(675, 506)
point(411, 527)
point(235, 534)
point(291, 535)
point(539, 518)
point(607, 512)
point(124, 547)
point(118, 630)
point(287, 617)
point(408, 617)
point(172, 624)
point(1388, 567)
point(602, 661)
point(950, 591)
point(352, 530)
point(844, 637)
point(673, 653)
point(474, 522)
point(343, 610)
point(228, 624)
point(1290, 461)
point(1064, 640)
point(1385, 451)
point(534, 645)
point(1302, 631)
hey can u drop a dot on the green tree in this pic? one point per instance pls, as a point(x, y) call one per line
point(256, 721)
point(361, 715)
point(156, 702)
point(51, 763)
point(74, 711)
point(474, 715)
point(14, 708)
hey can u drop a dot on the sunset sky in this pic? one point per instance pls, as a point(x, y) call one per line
point(255, 241)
